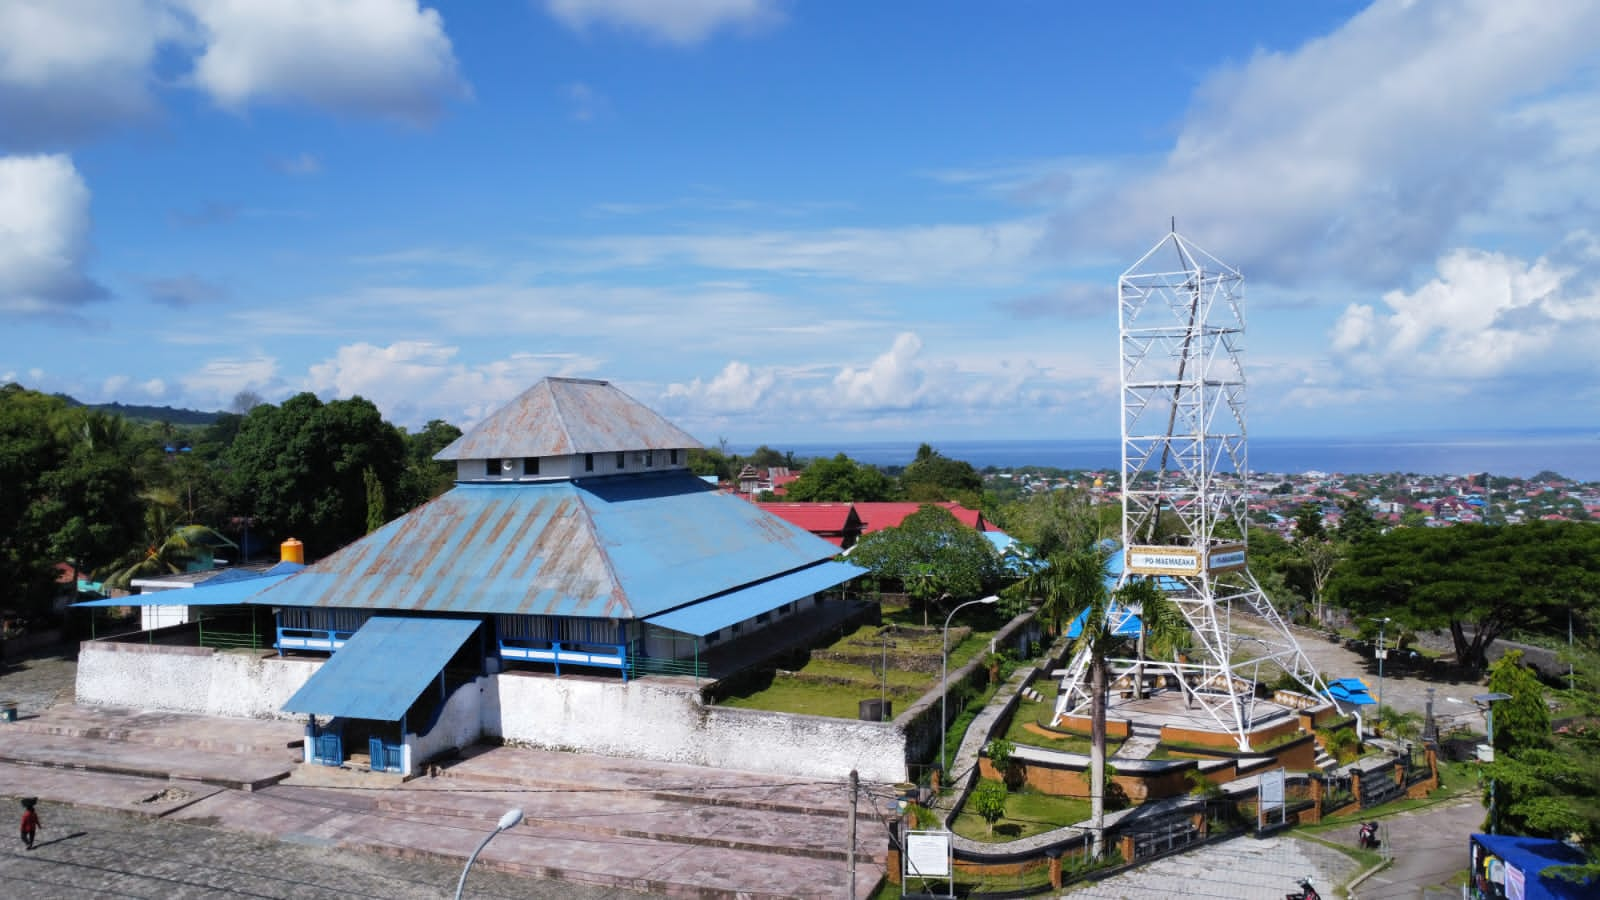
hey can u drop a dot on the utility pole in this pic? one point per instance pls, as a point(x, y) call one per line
point(855, 790)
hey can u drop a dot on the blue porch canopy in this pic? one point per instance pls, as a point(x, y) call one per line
point(383, 668)
point(707, 616)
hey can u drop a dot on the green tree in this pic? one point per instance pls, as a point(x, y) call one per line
point(1052, 521)
point(1308, 523)
point(933, 555)
point(841, 480)
point(933, 477)
point(424, 477)
point(1476, 581)
point(298, 468)
point(989, 801)
point(68, 492)
point(1356, 523)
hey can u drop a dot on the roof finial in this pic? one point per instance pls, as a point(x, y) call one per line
point(1174, 224)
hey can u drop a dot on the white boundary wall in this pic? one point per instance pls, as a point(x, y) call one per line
point(574, 713)
point(196, 680)
point(672, 725)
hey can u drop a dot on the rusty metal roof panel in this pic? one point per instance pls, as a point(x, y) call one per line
point(620, 547)
point(563, 416)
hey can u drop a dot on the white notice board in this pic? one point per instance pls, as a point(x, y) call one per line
point(928, 854)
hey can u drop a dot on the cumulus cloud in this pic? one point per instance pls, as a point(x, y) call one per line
point(681, 22)
point(388, 58)
point(44, 236)
point(1360, 153)
point(72, 68)
point(737, 388)
point(892, 381)
point(1484, 315)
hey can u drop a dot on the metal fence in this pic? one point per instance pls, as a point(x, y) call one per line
point(1337, 791)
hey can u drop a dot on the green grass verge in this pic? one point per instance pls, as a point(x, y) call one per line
point(1028, 813)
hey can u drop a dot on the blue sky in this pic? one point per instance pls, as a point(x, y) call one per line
point(793, 222)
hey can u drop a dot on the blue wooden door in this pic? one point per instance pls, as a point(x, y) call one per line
point(329, 749)
point(385, 757)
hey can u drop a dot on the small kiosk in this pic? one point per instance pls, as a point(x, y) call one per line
point(1507, 867)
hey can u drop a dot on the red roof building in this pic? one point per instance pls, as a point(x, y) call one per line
point(836, 523)
point(878, 516)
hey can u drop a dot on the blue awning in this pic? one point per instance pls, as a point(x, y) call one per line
point(1124, 622)
point(707, 616)
point(225, 593)
point(383, 668)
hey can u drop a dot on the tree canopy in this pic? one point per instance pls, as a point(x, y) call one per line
point(1477, 581)
point(934, 477)
point(933, 555)
point(68, 491)
point(841, 480)
point(300, 469)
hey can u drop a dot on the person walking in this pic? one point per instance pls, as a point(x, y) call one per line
point(30, 821)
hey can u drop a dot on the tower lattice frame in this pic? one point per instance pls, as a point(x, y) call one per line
point(1185, 473)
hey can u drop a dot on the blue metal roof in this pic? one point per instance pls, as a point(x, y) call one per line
point(1125, 623)
point(711, 615)
point(210, 593)
point(616, 547)
point(383, 668)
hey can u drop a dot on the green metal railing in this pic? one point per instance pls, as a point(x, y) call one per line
point(648, 665)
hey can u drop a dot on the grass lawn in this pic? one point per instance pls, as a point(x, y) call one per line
point(1027, 813)
point(841, 701)
point(1017, 731)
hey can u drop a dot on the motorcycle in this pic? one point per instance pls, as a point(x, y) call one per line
point(1367, 837)
point(1306, 892)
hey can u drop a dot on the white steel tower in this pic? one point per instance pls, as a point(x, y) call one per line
point(1184, 481)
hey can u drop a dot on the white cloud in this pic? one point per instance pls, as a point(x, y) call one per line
point(1358, 154)
point(737, 388)
point(933, 253)
point(682, 22)
point(71, 68)
point(388, 58)
point(414, 381)
point(1484, 316)
point(216, 382)
point(44, 235)
point(892, 381)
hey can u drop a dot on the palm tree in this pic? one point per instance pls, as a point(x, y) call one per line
point(182, 546)
point(1074, 585)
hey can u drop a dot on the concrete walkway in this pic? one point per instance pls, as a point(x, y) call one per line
point(626, 825)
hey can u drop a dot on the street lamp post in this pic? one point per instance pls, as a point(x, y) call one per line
point(1487, 701)
point(944, 674)
point(1381, 623)
point(509, 820)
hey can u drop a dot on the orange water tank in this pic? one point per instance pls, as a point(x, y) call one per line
point(293, 551)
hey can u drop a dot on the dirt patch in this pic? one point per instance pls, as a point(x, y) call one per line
point(170, 795)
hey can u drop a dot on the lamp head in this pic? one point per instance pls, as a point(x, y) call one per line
point(991, 599)
point(1486, 699)
point(510, 819)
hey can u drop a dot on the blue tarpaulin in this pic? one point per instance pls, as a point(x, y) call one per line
point(1350, 690)
point(707, 616)
point(1508, 865)
point(383, 668)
